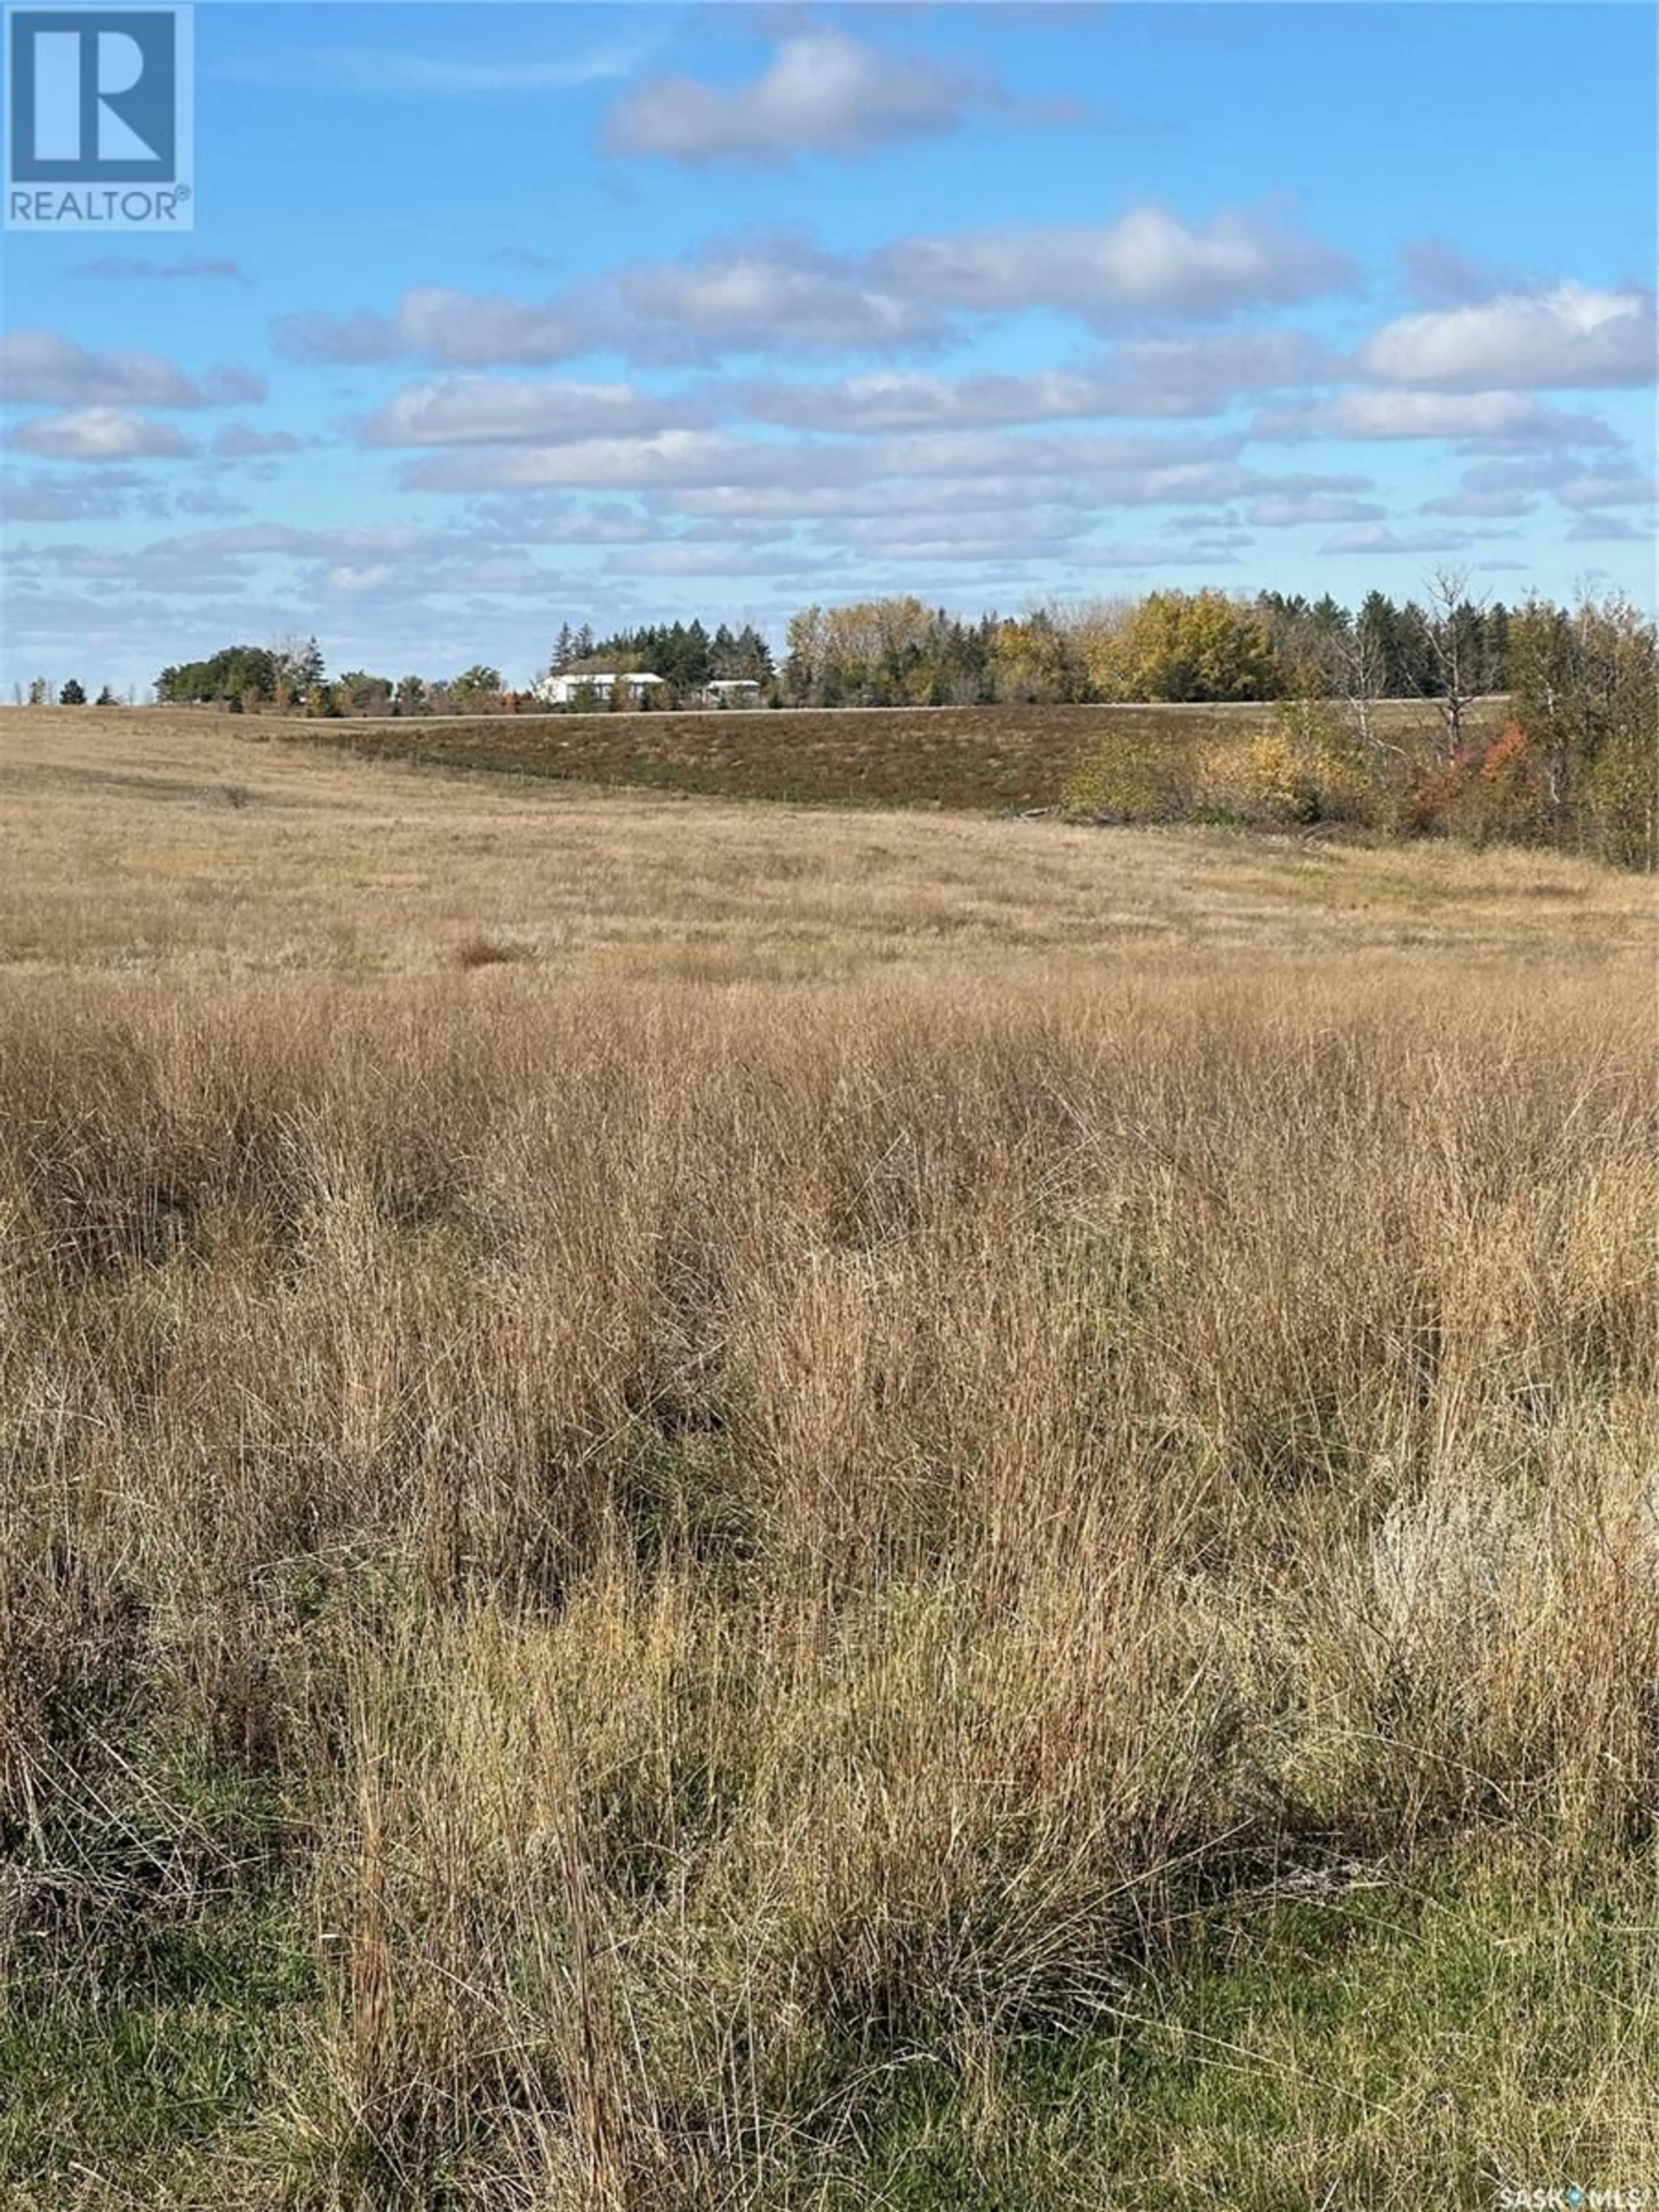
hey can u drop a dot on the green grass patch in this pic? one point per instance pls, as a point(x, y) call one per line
point(1393, 2042)
point(163, 2085)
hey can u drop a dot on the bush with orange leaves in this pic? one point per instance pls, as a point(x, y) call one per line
point(1492, 791)
point(1301, 768)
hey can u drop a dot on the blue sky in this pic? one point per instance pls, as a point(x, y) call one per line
point(498, 316)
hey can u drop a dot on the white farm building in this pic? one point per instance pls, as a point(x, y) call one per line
point(566, 690)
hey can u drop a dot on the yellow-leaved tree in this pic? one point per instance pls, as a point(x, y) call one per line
point(1193, 646)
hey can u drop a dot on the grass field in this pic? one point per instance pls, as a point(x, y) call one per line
point(969, 757)
point(965, 757)
point(717, 1506)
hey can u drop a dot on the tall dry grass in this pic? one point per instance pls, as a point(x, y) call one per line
point(747, 1531)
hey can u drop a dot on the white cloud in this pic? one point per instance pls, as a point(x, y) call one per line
point(458, 329)
point(1620, 488)
point(488, 410)
point(781, 292)
point(1570, 336)
point(534, 519)
point(883, 403)
point(1149, 378)
point(1285, 510)
point(98, 434)
point(679, 560)
point(822, 92)
point(1607, 529)
point(773, 295)
point(43, 368)
point(668, 458)
point(470, 328)
point(1513, 418)
point(1149, 261)
point(729, 506)
point(1215, 367)
point(350, 543)
point(239, 442)
point(965, 536)
point(730, 479)
point(1377, 539)
point(84, 498)
point(1488, 504)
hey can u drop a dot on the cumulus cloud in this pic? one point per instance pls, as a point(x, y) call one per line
point(241, 442)
point(781, 292)
point(403, 563)
point(682, 560)
point(435, 322)
point(1149, 261)
point(534, 517)
point(883, 403)
point(776, 293)
point(717, 473)
point(1215, 367)
point(732, 296)
point(98, 434)
point(162, 570)
point(1506, 487)
point(1379, 539)
point(1609, 488)
point(668, 458)
point(351, 542)
point(1512, 417)
point(1607, 529)
point(1150, 379)
point(86, 498)
point(967, 535)
point(41, 368)
point(737, 507)
point(1285, 511)
point(1570, 336)
point(488, 410)
point(1488, 504)
point(822, 92)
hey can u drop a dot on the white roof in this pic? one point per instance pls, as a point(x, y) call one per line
point(606, 676)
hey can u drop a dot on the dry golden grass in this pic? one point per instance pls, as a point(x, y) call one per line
point(728, 1448)
point(172, 844)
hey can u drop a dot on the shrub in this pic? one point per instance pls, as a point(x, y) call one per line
point(1139, 769)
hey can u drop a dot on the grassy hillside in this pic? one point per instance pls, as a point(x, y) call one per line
point(705, 1507)
point(978, 758)
point(966, 756)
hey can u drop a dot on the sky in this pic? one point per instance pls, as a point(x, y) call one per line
point(497, 317)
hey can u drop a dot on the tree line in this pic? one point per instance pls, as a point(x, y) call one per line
point(686, 655)
point(1571, 763)
point(1197, 648)
point(1191, 647)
